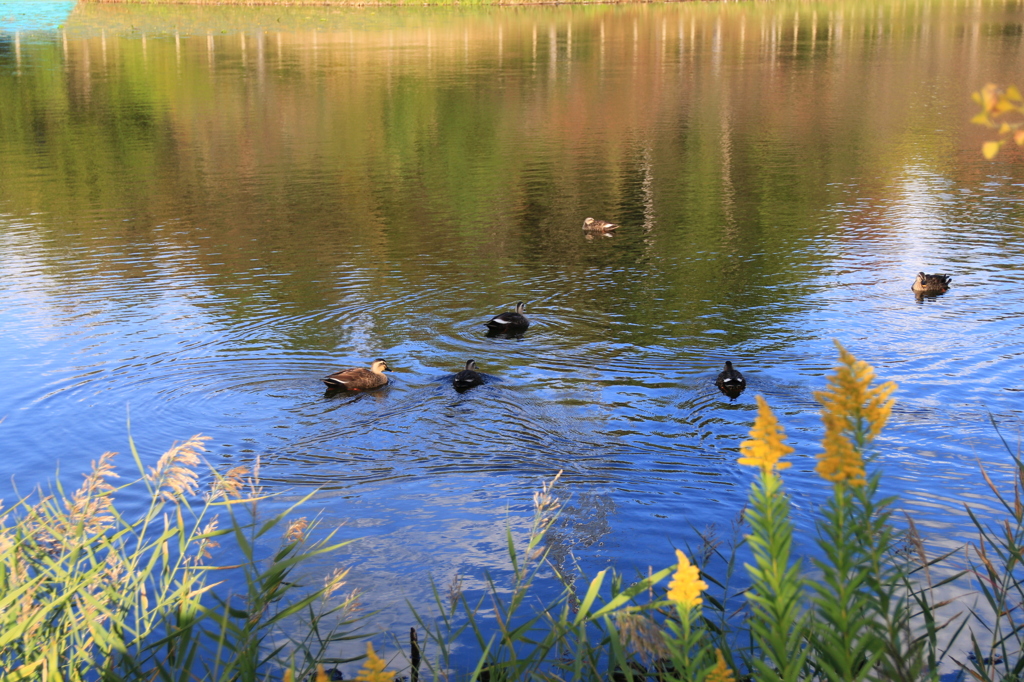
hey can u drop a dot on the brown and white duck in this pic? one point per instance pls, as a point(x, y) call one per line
point(598, 225)
point(360, 378)
point(931, 284)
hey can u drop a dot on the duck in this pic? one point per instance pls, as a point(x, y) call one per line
point(931, 284)
point(360, 378)
point(730, 380)
point(597, 225)
point(509, 322)
point(467, 378)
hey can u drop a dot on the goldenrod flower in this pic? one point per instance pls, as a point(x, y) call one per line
point(765, 447)
point(373, 668)
point(686, 584)
point(721, 672)
point(853, 413)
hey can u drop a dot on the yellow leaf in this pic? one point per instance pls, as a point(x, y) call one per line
point(990, 149)
point(1004, 129)
point(1004, 105)
point(1018, 137)
point(983, 120)
point(1013, 93)
point(976, 96)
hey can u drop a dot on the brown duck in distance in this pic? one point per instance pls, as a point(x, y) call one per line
point(931, 284)
point(360, 378)
point(598, 225)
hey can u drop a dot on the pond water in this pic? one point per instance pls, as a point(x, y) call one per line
point(204, 211)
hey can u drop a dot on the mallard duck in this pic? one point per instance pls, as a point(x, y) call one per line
point(730, 380)
point(360, 378)
point(931, 284)
point(596, 225)
point(509, 322)
point(467, 378)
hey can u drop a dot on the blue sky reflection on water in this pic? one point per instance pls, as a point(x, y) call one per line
point(33, 15)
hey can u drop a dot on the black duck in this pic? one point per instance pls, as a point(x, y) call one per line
point(509, 323)
point(730, 381)
point(467, 378)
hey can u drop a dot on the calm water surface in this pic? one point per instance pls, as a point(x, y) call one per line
point(203, 212)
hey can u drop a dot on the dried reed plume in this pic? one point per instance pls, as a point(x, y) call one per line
point(174, 474)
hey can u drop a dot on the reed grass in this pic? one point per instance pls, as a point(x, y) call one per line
point(89, 594)
point(86, 594)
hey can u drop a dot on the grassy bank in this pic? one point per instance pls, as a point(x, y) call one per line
point(86, 593)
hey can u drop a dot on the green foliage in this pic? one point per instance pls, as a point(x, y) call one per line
point(844, 637)
point(778, 620)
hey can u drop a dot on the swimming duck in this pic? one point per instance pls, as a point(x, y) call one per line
point(597, 225)
point(509, 322)
point(467, 378)
point(931, 284)
point(359, 378)
point(730, 381)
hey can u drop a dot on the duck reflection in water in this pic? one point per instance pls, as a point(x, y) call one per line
point(508, 325)
point(730, 381)
point(467, 378)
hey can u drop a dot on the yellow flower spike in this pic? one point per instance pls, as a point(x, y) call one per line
point(853, 413)
point(840, 462)
point(721, 672)
point(765, 447)
point(373, 668)
point(686, 584)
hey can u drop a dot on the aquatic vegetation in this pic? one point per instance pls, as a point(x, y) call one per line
point(87, 593)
